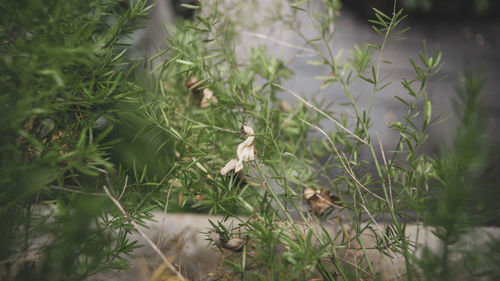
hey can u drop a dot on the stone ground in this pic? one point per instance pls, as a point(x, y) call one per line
point(463, 44)
point(184, 240)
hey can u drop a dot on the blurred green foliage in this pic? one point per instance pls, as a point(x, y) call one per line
point(444, 9)
point(465, 194)
point(63, 75)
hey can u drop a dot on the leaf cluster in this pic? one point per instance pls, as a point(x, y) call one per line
point(63, 75)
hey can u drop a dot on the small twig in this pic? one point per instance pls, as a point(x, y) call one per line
point(367, 211)
point(288, 119)
point(331, 26)
point(75, 191)
point(206, 125)
point(321, 112)
point(374, 221)
point(283, 43)
point(386, 168)
point(136, 226)
point(327, 201)
point(124, 188)
point(348, 169)
point(108, 180)
point(165, 213)
point(344, 259)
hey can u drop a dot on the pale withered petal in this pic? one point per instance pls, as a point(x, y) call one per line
point(208, 98)
point(248, 130)
point(235, 244)
point(246, 150)
point(233, 164)
point(229, 167)
point(308, 193)
point(239, 166)
point(245, 153)
point(215, 237)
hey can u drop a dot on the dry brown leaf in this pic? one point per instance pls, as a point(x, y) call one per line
point(321, 200)
point(191, 82)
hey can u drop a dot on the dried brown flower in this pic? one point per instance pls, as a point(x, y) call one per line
point(234, 244)
point(191, 82)
point(321, 200)
point(208, 96)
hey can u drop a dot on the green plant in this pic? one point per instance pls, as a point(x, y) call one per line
point(209, 133)
point(464, 189)
point(480, 9)
point(196, 141)
point(63, 75)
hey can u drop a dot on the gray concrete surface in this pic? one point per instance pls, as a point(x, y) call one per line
point(183, 239)
point(463, 44)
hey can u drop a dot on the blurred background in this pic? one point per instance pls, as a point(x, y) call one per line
point(467, 33)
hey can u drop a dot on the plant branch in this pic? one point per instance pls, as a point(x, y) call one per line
point(136, 226)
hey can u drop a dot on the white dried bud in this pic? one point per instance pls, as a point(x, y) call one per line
point(208, 98)
point(235, 244)
point(215, 237)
